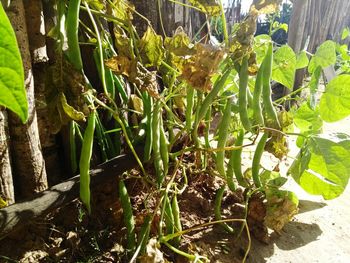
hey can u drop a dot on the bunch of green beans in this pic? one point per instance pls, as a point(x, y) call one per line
point(234, 166)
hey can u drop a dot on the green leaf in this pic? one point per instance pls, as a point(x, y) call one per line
point(302, 60)
point(335, 101)
point(314, 83)
point(284, 66)
point(345, 33)
point(151, 48)
point(324, 56)
point(323, 166)
point(261, 43)
point(69, 110)
point(12, 90)
point(307, 119)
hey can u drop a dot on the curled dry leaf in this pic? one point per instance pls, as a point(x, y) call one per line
point(243, 39)
point(266, 6)
point(199, 69)
point(144, 79)
point(282, 206)
point(210, 7)
point(123, 9)
point(65, 91)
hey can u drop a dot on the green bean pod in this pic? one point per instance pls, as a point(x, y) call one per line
point(266, 91)
point(219, 84)
point(223, 135)
point(177, 222)
point(72, 26)
point(144, 234)
point(128, 216)
point(256, 159)
point(148, 106)
point(257, 111)
point(242, 96)
point(168, 216)
point(158, 164)
point(217, 209)
point(234, 166)
point(164, 148)
point(84, 163)
point(189, 107)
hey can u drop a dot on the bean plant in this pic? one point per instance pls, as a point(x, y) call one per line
point(163, 92)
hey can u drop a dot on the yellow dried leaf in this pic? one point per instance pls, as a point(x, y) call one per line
point(198, 70)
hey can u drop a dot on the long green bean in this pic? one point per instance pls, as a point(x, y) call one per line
point(242, 96)
point(218, 200)
point(128, 216)
point(72, 25)
point(223, 135)
point(234, 166)
point(256, 159)
point(257, 111)
point(84, 163)
point(266, 91)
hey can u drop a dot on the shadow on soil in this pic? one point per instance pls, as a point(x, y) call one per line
point(295, 235)
point(307, 206)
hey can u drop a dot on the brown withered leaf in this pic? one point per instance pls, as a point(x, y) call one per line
point(282, 206)
point(179, 44)
point(210, 7)
point(145, 80)
point(266, 6)
point(65, 88)
point(242, 42)
point(198, 70)
point(122, 43)
point(120, 64)
point(135, 72)
point(123, 9)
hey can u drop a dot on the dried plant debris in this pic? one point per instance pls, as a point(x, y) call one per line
point(135, 72)
point(65, 91)
point(282, 206)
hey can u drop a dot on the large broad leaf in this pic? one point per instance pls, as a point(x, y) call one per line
point(284, 67)
point(335, 102)
point(323, 166)
point(324, 57)
point(12, 91)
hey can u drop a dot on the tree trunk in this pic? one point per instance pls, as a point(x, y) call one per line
point(28, 161)
point(6, 183)
point(317, 20)
point(38, 52)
